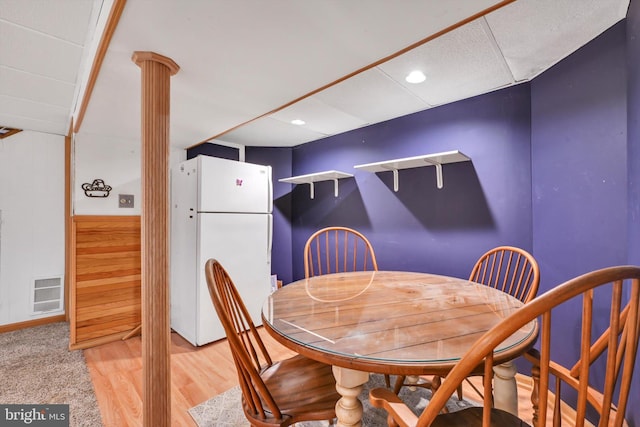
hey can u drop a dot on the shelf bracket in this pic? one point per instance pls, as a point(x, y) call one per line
point(439, 181)
point(335, 188)
point(395, 180)
point(439, 176)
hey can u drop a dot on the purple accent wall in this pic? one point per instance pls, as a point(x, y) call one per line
point(484, 203)
point(280, 160)
point(579, 161)
point(633, 162)
point(633, 130)
point(580, 177)
point(213, 150)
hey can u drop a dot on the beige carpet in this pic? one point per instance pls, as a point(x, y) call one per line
point(36, 367)
point(225, 409)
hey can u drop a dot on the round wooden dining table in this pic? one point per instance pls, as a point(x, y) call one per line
point(393, 322)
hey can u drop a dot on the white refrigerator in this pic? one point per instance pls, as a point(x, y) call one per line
point(219, 209)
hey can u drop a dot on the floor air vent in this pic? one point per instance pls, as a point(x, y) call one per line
point(47, 295)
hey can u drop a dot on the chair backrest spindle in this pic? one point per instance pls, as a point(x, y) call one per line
point(509, 269)
point(336, 250)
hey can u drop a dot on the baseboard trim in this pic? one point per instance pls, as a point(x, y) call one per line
point(31, 323)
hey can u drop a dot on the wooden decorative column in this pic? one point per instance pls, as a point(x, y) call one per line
point(156, 332)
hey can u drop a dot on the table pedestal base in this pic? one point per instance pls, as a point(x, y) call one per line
point(349, 384)
point(505, 389)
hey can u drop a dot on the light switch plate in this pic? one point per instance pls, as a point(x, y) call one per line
point(125, 200)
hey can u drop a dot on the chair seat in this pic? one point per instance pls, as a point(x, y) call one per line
point(301, 383)
point(470, 417)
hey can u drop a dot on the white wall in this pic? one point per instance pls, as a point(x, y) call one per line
point(32, 215)
point(32, 205)
point(115, 162)
point(118, 164)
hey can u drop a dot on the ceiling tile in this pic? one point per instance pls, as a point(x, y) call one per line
point(535, 34)
point(319, 117)
point(372, 96)
point(35, 88)
point(462, 63)
point(63, 19)
point(23, 108)
point(33, 52)
point(269, 132)
point(33, 124)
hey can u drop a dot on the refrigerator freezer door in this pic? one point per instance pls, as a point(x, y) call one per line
point(231, 186)
point(241, 242)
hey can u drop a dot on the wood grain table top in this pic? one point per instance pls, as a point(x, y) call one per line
point(391, 322)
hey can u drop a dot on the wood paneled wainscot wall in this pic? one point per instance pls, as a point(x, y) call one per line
point(105, 301)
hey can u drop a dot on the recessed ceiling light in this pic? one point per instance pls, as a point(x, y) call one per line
point(297, 122)
point(416, 76)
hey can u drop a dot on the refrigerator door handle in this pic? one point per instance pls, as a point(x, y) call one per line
point(269, 237)
point(270, 190)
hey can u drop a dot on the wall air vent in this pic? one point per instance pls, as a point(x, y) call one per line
point(6, 132)
point(47, 295)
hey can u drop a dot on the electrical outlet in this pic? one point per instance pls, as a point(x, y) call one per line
point(125, 200)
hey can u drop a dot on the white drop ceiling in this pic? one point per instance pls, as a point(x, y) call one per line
point(249, 67)
point(41, 50)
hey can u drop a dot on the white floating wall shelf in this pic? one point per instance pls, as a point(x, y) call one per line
point(316, 177)
point(437, 160)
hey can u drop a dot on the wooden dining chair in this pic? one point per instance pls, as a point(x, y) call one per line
point(338, 249)
point(507, 268)
point(273, 393)
point(600, 379)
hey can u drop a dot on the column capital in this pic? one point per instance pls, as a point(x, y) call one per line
point(141, 56)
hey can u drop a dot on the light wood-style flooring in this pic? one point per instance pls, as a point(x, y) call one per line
point(197, 374)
